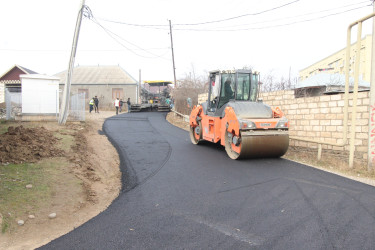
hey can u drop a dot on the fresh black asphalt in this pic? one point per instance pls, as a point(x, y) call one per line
point(177, 195)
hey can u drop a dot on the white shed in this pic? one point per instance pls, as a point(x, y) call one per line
point(40, 94)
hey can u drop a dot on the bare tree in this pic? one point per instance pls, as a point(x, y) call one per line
point(189, 86)
point(271, 83)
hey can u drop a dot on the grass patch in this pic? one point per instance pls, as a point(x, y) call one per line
point(66, 141)
point(16, 201)
point(332, 162)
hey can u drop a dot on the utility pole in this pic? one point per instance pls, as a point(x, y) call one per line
point(174, 68)
point(371, 137)
point(66, 95)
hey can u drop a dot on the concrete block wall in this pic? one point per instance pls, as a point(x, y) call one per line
point(321, 118)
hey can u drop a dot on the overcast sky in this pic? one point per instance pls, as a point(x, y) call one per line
point(270, 36)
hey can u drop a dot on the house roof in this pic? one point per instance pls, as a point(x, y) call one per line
point(98, 75)
point(326, 79)
point(16, 77)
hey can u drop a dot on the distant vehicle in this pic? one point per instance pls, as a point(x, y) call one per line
point(154, 100)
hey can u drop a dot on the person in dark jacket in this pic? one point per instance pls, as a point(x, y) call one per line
point(121, 104)
point(228, 89)
point(96, 104)
point(128, 102)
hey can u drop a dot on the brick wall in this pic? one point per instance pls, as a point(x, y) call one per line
point(321, 118)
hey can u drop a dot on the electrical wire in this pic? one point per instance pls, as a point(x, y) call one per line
point(273, 26)
point(202, 23)
point(292, 17)
point(240, 16)
point(88, 14)
point(160, 26)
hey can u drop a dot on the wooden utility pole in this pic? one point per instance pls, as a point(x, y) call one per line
point(64, 111)
point(174, 68)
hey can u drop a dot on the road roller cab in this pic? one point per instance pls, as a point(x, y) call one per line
point(234, 116)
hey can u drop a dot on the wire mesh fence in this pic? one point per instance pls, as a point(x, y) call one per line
point(77, 107)
point(13, 106)
point(13, 102)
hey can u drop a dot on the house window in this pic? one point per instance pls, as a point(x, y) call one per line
point(86, 91)
point(117, 93)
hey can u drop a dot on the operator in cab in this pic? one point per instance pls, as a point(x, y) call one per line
point(228, 89)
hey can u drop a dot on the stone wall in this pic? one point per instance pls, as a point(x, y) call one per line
point(321, 118)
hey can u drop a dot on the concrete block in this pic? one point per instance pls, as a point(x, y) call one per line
point(336, 110)
point(305, 111)
point(324, 110)
point(326, 134)
point(325, 98)
point(302, 105)
point(323, 105)
point(331, 128)
point(332, 104)
point(336, 122)
point(335, 97)
point(325, 122)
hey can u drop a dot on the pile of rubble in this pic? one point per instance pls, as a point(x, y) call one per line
point(22, 144)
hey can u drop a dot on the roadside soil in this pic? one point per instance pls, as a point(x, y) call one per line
point(92, 162)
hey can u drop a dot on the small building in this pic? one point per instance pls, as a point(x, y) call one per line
point(105, 82)
point(335, 63)
point(40, 94)
point(326, 84)
point(12, 81)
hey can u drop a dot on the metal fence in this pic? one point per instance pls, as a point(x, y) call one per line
point(77, 107)
point(13, 102)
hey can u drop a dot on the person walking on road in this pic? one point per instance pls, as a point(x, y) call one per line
point(91, 103)
point(121, 104)
point(96, 104)
point(117, 105)
point(129, 104)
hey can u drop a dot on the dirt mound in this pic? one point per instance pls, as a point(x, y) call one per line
point(21, 144)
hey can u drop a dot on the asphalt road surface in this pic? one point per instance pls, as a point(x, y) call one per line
point(177, 195)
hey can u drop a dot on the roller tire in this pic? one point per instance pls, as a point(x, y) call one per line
point(196, 138)
point(228, 147)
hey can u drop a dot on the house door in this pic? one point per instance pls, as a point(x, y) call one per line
point(117, 93)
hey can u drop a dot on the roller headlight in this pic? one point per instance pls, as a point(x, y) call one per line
point(245, 124)
point(283, 123)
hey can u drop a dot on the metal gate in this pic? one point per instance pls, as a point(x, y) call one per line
point(13, 102)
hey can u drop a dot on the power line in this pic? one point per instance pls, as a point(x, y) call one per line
point(113, 35)
point(291, 17)
point(202, 23)
point(240, 16)
point(274, 26)
point(164, 27)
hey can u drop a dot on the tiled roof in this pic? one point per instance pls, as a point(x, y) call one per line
point(27, 71)
point(23, 69)
point(98, 75)
point(325, 79)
